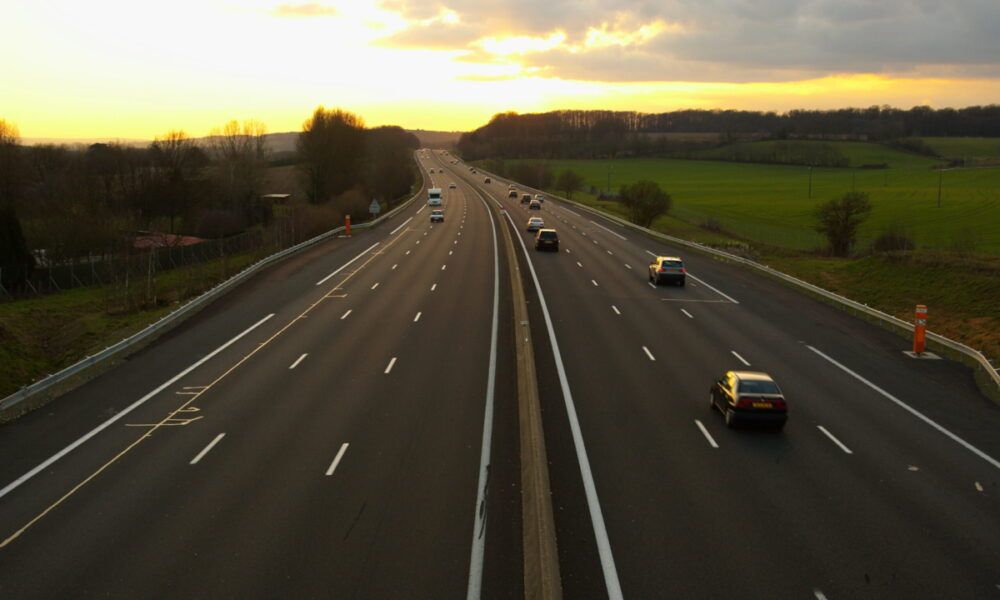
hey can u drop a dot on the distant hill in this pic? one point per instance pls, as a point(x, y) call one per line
point(279, 143)
point(437, 139)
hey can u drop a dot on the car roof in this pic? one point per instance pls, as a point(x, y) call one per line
point(546, 230)
point(661, 258)
point(751, 376)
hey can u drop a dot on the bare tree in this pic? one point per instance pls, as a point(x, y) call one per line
point(11, 173)
point(175, 156)
point(241, 154)
point(839, 219)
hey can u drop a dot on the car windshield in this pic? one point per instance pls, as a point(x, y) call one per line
point(759, 387)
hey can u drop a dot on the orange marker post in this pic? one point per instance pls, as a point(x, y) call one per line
point(920, 329)
point(347, 225)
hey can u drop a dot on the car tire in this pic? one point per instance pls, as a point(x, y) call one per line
point(711, 401)
point(730, 418)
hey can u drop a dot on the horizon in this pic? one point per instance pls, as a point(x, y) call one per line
point(95, 72)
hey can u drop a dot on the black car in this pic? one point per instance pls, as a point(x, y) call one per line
point(547, 239)
point(745, 397)
point(525, 198)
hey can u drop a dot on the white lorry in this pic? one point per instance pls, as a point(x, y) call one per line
point(434, 197)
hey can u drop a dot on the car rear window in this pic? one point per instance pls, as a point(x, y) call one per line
point(759, 387)
point(672, 263)
point(548, 235)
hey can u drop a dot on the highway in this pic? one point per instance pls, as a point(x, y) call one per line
point(345, 425)
point(331, 445)
point(884, 484)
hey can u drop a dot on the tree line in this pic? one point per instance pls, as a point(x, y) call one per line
point(601, 133)
point(60, 202)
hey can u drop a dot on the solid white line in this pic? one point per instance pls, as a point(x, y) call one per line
point(609, 231)
point(648, 353)
point(615, 308)
point(205, 450)
point(343, 266)
point(474, 590)
point(391, 363)
point(401, 225)
point(345, 315)
point(742, 360)
point(689, 315)
point(421, 209)
point(298, 360)
point(417, 318)
point(834, 440)
point(912, 411)
point(608, 567)
point(708, 436)
point(375, 286)
point(336, 459)
point(593, 282)
point(434, 287)
point(579, 264)
point(713, 288)
point(80, 441)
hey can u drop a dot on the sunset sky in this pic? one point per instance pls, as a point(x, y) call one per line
point(135, 69)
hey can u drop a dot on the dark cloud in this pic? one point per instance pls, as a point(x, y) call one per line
point(729, 40)
point(305, 9)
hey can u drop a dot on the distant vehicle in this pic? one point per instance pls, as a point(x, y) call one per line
point(512, 194)
point(540, 197)
point(669, 269)
point(535, 223)
point(473, 171)
point(487, 180)
point(547, 239)
point(534, 205)
point(510, 186)
point(434, 197)
point(525, 198)
point(749, 397)
point(437, 216)
point(451, 185)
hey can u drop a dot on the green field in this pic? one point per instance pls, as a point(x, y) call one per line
point(966, 148)
point(771, 203)
point(857, 154)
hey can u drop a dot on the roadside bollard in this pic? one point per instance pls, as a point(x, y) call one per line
point(347, 225)
point(920, 329)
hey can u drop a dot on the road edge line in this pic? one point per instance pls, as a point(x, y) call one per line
point(542, 579)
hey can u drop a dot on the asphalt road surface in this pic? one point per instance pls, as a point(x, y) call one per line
point(884, 483)
point(344, 425)
point(330, 446)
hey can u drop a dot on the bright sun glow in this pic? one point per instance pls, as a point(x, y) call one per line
point(116, 68)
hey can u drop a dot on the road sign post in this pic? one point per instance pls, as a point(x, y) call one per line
point(920, 329)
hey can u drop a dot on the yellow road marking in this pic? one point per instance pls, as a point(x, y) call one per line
point(170, 419)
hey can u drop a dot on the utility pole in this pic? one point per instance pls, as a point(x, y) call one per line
point(854, 180)
point(810, 182)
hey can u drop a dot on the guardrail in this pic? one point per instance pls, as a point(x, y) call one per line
point(174, 318)
point(975, 355)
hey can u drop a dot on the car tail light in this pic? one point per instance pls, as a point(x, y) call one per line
point(779, 403)
point(661, 270)
point(683, 270)
point(744, 402)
